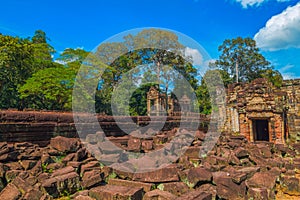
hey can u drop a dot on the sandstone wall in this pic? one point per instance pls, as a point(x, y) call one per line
point(18, 126)
point(258, 100)
point(292, 88)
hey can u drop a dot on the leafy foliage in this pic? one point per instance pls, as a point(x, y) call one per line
point(50, 88)
point(243, 53)
point(149, 47)
point(30, 78)
point(273, 76)
point(138, 101)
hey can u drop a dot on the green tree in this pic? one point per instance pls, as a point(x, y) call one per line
point(51, 88)
point(203, 98)
point(73, 56)
point(211, 82)
point(19, 59)
point(39, 37)
point(163, 48)
point(148, 47)
point(42, 51)
point(273, 76)
point(16, 56)
point(113, 73)
point(138, 101)
point(241, 59)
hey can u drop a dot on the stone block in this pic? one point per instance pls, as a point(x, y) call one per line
point(111, 192)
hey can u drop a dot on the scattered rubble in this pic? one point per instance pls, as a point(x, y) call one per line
point(233, 169)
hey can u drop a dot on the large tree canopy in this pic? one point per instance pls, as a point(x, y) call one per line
point(19, 59)
point(30, 78)
point(152, 47)
point(241, 59)
point(51, 88)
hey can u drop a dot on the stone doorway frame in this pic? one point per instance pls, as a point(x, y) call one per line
point(252, 128)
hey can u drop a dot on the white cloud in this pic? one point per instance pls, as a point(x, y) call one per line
point(251, 3)
point(282, 31)
point(286, 73)
point(196, 56)
point(204, 67)
point(246, 3)
point(286, 68)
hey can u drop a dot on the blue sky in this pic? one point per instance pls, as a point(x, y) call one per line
point(274, 24)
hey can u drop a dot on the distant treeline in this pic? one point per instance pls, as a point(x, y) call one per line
point(31, 78)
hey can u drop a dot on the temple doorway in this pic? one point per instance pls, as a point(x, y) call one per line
point(261, 130)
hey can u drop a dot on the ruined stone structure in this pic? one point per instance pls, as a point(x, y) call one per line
point(234, 169)
point(258, 110)
point(262, 112)
point(156, 103)
point(39, 127)
point(292, 89)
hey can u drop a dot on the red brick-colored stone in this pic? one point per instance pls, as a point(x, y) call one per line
point(111, 192)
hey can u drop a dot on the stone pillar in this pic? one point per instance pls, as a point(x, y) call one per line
point(157, 106)
point(251, 131)
point(148, 107)
point(282, 131)
point(271, 124)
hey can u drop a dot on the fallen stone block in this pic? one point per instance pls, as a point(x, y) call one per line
point(257, 193)
point(22, 185)
point(64, 183)
point(167, 174)
point(92, 178)
point(196, 195)
point(81, 197)
point(147, 145)
point(265, 180)
point(63, 144)
point(108, 147)
point(193, 152)
point(290, 185)
point(176, 188)
point(146, 186)
point(226, 188)
point(63, 171)
point(108, 159)
point(10, 156)
point(92, 165)
point(10, 192)
point(33, 194)
point(198, 175)
point(28, 164)
point(159, 195)
point(111, 192)
point(250, 171)
point(262, 180)
point(241, 153)
point(134, 144)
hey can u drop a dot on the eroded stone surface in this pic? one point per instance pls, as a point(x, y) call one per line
point(258, 171)
point(116, 192)
point(158, 195)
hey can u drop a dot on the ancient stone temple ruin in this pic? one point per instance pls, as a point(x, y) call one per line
point(156, 103)
point(262, 112)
